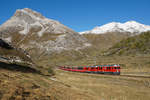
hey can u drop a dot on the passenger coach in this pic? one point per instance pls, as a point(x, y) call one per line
point(99, 69)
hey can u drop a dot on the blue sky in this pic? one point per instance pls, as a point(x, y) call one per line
point(82, 15)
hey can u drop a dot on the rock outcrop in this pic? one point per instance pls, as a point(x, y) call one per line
point(12, 55)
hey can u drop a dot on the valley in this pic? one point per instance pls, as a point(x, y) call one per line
point(32, 47)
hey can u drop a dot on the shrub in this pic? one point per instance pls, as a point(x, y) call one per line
point(51, 71)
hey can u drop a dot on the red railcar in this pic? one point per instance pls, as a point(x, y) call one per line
point(99, 69)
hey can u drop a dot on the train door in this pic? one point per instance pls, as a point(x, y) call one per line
point(103, 69)
point(89, 69)
point(85, 69)
point(100, 69)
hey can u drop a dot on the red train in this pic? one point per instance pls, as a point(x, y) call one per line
point(99, 69)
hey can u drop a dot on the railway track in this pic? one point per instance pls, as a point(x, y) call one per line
point(134, 76)
point(137, 76)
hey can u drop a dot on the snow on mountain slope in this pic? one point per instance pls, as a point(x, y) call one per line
point(130, 27)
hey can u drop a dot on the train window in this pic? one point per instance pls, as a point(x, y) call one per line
point(80, 67)
point(85, 68)
point(92, 67)
point(96, 67)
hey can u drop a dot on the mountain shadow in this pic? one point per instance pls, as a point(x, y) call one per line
point(20, 68)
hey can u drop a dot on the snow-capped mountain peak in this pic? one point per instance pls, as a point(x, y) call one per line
point(130, 27)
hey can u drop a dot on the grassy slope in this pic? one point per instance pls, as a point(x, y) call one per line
point(103, 86)
point(99, 44)
point(105, 41)
point(20, 85)
point(106, 87)
point(76, 86)
point(139, 44)
point(17, 85)
point(22, 82)
point(93, 55)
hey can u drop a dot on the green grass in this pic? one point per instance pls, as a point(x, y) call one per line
point(139, 44)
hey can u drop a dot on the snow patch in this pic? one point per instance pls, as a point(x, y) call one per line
point(26, 29)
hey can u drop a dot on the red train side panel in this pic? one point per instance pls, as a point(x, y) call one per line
point(100, 69)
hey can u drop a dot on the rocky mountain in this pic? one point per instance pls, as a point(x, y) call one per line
point(132, 27)
point(33, 32)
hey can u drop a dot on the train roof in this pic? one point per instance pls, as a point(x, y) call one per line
point(104, 65)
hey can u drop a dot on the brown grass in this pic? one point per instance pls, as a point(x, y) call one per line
point(15, 85)
point(106, 87)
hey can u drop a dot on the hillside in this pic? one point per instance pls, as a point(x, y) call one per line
point(104, 41)
point(100, 43)
point(21, 79)
point(29, 85)
point(139, 44)
point(39, 35)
